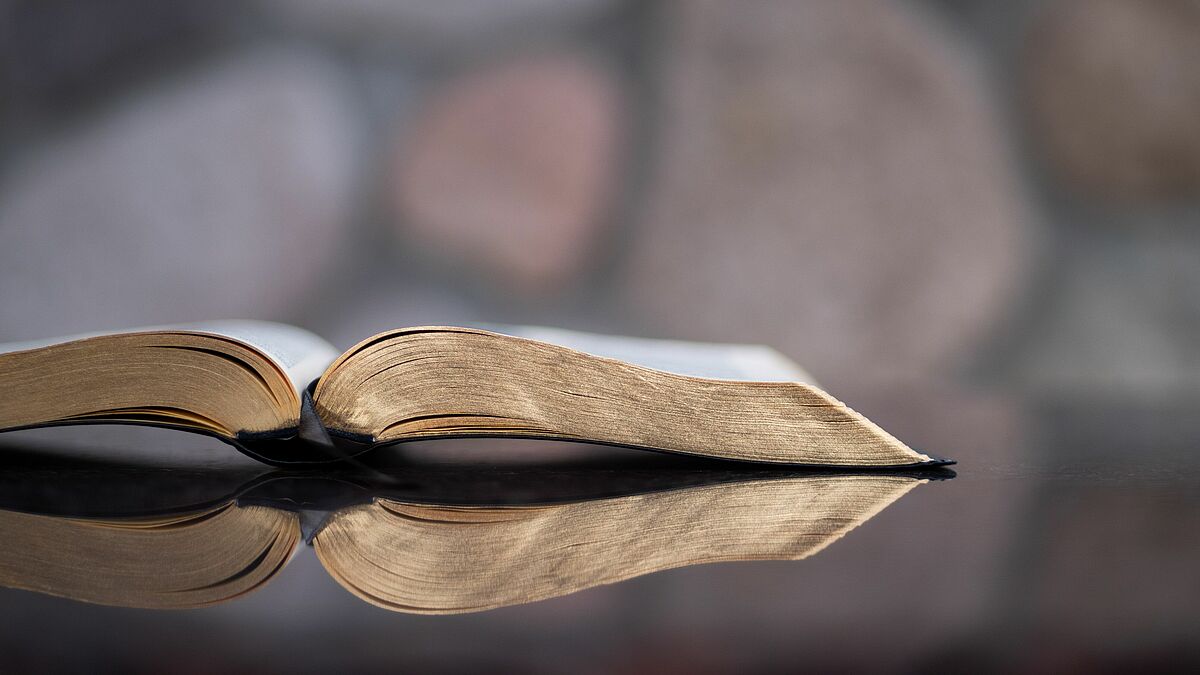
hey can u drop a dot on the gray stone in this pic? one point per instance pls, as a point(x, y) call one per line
point(833, 184)
point(1112, 93)
point(1120, 316)
point(56, 55)
point(220, 195)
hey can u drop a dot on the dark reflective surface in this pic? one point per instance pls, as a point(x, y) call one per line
point(1068, 541)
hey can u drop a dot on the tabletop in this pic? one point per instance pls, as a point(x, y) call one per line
point(1065, 538)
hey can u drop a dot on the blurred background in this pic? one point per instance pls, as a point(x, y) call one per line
point(1004, 194)
point(962, 216)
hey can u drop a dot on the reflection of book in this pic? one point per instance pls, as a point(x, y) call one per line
point(165, 562)
point(256, 385)
point(440, 560)
point(430, 557)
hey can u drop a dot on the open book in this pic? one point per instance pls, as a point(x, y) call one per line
point(260, 386)
point(406, 550)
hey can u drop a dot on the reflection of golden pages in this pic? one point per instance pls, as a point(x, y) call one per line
point(440, 559)
point(437, 559)
point(170, 562)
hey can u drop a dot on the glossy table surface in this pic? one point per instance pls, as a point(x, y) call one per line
point(1067, 537)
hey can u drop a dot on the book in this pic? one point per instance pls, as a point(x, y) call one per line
point(285, 396)
point(418, 545)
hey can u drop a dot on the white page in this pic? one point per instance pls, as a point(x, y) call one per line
point(753, 363)
point(301, 354)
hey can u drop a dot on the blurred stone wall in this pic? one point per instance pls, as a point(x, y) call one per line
point(972, 193)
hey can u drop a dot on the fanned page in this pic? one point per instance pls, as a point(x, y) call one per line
point(301, 354)
point(447, 382)
point(230, 379)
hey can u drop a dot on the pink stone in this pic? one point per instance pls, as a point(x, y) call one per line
point(510, 169)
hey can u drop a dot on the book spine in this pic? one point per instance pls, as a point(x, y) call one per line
point(310, 443)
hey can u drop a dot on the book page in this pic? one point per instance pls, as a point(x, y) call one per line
point(753, 363)
point(301, 354)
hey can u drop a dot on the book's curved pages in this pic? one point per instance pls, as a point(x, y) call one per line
point(410, 549)
point(437, 382)
point(239, 381)
point(254, 385)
